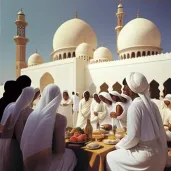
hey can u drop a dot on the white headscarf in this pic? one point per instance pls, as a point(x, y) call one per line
point(115, 93)
point(137, 82)
point(106, 95)
point(38, 131)
point(126, 97)
point(14, 109)
point(167, 98)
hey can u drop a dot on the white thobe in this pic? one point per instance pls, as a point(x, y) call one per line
point(76, 101)
point(101, 110)
point(66, 111)
point(107, 119)
point(166, 118)
point(157, 102)
point(140, 150)
point(123, 117)
point(84, 113)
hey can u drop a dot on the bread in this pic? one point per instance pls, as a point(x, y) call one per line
point(97, 132)
point(93, 145)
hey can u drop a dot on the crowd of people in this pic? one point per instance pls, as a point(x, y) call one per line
point(33, 126)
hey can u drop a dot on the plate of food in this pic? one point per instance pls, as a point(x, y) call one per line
point(111, 141)
point(93, 146)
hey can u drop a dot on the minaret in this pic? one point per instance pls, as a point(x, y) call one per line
point(120, 22)
point(21, 42)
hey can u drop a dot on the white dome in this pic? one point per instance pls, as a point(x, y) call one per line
point(103, 53)
point(72, 33)
point(139, 32)
point(35, 59)
point(84, 49)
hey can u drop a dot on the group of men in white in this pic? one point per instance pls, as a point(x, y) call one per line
point(33, 127)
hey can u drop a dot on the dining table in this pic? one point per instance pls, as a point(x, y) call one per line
point(90, 160)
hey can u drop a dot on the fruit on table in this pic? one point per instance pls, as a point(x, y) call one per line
point(73, 139)
point(76, 134)
point(81, 138)
point(78, 138)
point(78, 129)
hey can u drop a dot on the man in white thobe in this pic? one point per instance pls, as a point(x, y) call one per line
point(98, 112)
point(144, 148)
point(75, 108)
point(84, 110)
point(66, 108)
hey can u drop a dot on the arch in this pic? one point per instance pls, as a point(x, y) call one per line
point(69, 55)
point(154, 90)
point(73, 54)
point(104, 87)
point(152, 52)
point(133, 55)
point(117, 87)
point(60, 56)
point(157, 53)
point(45, 80)
point(124, 56)
point(167, 87)
point(148, 53)
point(138, 54)
point(143, 53)
point(64, 56)
point(128, 56)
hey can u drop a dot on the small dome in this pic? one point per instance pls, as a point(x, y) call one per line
point(72, 33)
point(84, 49)
point(103, 53)
point(139, 32)
point(35, 59)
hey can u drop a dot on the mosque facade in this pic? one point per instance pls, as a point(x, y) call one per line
point(77, 64)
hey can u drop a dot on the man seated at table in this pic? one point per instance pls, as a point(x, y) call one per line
point(144, 147)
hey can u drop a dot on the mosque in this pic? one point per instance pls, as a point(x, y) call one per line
point(78, 64)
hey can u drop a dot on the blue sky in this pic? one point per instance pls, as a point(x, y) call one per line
point(45, 16)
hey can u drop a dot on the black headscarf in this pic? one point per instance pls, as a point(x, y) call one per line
point(23, 81)
point(13, 90)
point(10, 95)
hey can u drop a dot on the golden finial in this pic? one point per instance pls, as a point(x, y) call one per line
point(21, 10)
point(102, 44)
point(138, 13)
point(120, 1)
point(36, 50)
point(76, 14)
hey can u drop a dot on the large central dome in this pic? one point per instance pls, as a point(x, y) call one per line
point(138, 33)
point(72, 33)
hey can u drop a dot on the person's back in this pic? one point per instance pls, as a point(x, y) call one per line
point(44, 149)
point(144, 147)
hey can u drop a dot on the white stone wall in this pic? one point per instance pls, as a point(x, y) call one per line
point(153, 67)
point(63, 73)
point(77, 75)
